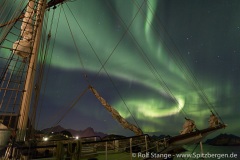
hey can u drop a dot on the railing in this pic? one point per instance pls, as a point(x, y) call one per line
point(121, 148)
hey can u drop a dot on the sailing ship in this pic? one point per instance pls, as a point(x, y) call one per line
point(19, 96)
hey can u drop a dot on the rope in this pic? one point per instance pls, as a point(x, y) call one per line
point(13, 74)
point(71, 106)
point(182, 65)
point(75, 44)
point(194, 150)
point(103, 64)
point(150, 65)
point(60, 151)
point(41, 69)
point(157, 75)
point(75, 153)
point(9, 60)
point(11, 12)
point(73, 149)
point(48, 69)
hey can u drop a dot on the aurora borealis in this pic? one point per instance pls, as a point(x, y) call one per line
point(153, 53)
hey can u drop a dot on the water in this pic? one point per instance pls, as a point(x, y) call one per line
point(211, 152)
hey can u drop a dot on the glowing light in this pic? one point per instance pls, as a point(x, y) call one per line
point(45, 138)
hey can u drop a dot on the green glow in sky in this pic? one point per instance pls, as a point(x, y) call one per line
point(142, 58)
point(127, 62)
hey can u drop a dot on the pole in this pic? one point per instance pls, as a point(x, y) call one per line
point(201, 146)
point(26, 100)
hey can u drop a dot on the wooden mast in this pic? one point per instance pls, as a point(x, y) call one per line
point(26, 100)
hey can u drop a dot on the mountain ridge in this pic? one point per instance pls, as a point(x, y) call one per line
point(224, 140)
point(88, 132)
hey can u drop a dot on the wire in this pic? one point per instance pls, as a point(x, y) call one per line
point(48, 67)
point(103, 64)
point(182, 65)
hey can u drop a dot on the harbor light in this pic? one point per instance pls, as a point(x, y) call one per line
point(45, 138)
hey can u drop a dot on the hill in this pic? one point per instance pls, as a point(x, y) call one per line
point(88, 132)
point(224, 140)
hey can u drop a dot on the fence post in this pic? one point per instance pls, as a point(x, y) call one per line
point(130, 148)
point(146, 144)
point(106, 150)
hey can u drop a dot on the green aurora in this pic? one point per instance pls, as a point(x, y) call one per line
point(142, 44)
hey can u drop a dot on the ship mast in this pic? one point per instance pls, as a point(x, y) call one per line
point(34, 44)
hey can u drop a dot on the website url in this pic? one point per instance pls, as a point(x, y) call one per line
point(208, 155)
point(193, 155)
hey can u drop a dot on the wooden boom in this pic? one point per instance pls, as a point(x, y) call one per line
point(115, 114)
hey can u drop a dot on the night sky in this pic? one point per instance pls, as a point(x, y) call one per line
point(162, 60)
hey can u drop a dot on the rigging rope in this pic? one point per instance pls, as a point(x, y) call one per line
point(71, 106)
point(41, 69)
point(50, 58)
point(103, 64)
point(74, 102)
point(75, 44)
point(12, 76)
point(182, 65)
point(6, 31)
point(31, 21)
point(84, 67)
point(43, 53)
point(10, 15)
point(150, 65)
